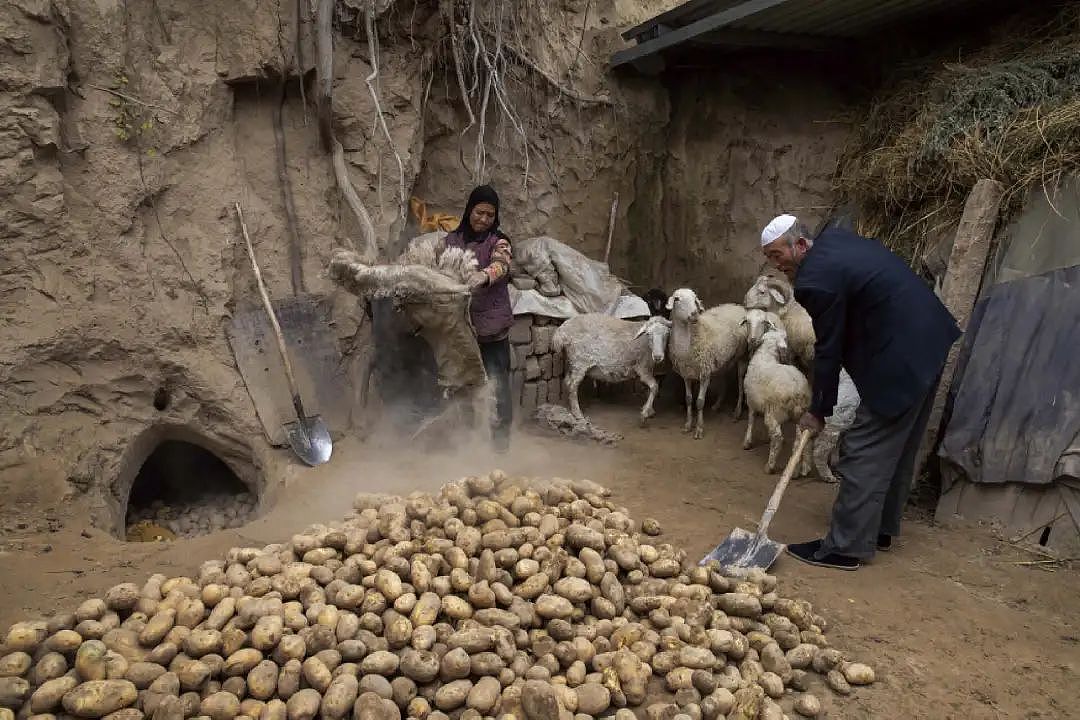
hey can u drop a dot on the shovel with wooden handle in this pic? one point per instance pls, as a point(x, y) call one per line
point(744, 549)
point(308, 436)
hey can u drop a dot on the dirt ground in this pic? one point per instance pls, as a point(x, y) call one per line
point(953, 622)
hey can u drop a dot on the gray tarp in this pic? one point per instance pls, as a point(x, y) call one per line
point(1016, 410)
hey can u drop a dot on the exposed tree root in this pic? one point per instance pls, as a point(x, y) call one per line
point(373, 49)
point(324, 50)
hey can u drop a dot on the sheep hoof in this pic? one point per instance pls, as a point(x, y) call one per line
point(699, 433)
point(687, 428)
point(643, 420)
point(770, 469)
point(747, 445)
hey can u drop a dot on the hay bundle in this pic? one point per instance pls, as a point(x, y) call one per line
point(1010, 112)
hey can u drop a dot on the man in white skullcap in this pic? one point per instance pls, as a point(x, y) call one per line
point(876, 318)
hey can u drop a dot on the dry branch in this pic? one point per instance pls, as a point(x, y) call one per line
point(373, 51)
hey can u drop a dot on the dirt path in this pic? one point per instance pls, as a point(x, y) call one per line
point(955, 627)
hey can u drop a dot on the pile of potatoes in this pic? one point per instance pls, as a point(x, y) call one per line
point(209, 513)
point(497, 598)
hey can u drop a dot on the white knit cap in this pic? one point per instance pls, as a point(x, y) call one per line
point(779, 225)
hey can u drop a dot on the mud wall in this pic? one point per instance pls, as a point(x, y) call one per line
point(745, 143)
point(128, 130)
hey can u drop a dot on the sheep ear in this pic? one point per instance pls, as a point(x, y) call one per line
point(671, 303)
point(744, 322)
point(700, 307)
point(778, 296)
point(666, 322)
point(641, 330)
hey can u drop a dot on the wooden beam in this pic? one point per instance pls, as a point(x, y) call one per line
point(693, 30)
point(668, 17)
point(967, 263)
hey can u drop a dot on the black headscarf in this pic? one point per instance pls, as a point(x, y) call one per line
point(481, 194)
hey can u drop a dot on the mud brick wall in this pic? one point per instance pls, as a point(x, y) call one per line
point(536, 370)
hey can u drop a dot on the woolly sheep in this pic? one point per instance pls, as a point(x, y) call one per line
point(773, 293)
point(843, 415)
point(702, 343)
point(612, 350)
point(777, 391)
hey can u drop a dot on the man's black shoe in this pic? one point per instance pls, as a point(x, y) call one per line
point(884, 542)
point(808, 553)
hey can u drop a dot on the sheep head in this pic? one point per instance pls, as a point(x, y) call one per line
point(684, 305)
point(656, 329)
point(758, 322)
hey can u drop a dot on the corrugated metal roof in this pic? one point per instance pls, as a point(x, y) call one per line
point(771, 22)
point(840, 18)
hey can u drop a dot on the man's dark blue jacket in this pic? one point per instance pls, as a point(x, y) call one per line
point(876, 317)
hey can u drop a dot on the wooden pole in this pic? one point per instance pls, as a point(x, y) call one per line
point(611, 227)
point(963, 276)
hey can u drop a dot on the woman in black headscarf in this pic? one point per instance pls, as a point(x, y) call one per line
point(491, 313)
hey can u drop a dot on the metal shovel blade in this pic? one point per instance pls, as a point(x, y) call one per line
point(310, 439)
point(744, 549)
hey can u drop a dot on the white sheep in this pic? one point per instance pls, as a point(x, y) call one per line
point(773, 293)
point(843, 415)
point(611, 350)
point(702, 343)
point(777, 391)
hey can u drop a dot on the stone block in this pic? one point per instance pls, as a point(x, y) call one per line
point(528, 398)
point(541, 338)
point(517, 381)
point(521, 330)
point(546, 366)
point(541, 392)
point(518, 354)
point(541, 320)
point(532, 368)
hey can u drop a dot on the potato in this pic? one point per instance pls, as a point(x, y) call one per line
point(858, 674)
point(807, 705)
point(339, 697)
point(121, 597)
point(97, 698)
point(48, 696)
point(157, 627)
point(288, 682)
point(303, 705)
point(25, 637)
point(380, 663)
point(220, 706)
point(837, 682)
point(274, 710)
point(192, 674)
point(267, 633)
point(64, 641)
point(90, 660)
point(15, 664)
point(242, 662)
point(13, 692)
point(143, 674)
point(262, 680)
point(420, 666)
point(127, 714)
point(51, 666)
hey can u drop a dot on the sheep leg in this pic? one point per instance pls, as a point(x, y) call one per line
point(748, 440)
point(689, 405)
point(573, 382)
point(740, 399)
point(647, 410)
point(806, 461)
point(719, 398)
point(703, 388)
point(776, 442)
point(824, 444)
